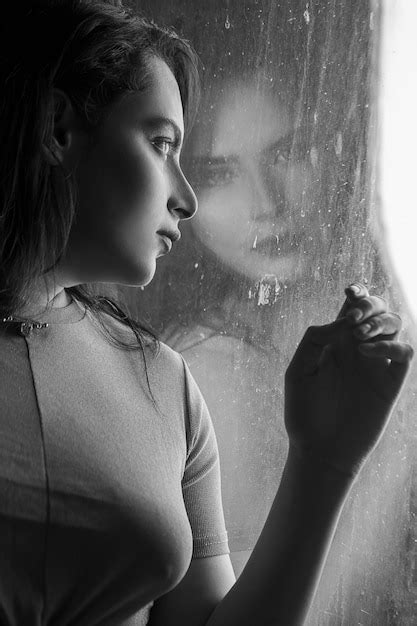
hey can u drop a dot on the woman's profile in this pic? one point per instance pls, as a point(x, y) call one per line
point(110, 508)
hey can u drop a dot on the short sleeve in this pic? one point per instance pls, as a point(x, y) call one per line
point(201, 484)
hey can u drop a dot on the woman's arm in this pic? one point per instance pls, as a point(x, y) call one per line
point(279, 580)
point(338, 400)
point(278, 583)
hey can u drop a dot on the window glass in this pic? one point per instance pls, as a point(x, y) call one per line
point(283, 160)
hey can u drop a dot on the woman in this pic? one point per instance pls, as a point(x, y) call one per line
point(110, 493)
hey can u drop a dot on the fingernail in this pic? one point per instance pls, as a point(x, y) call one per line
point(365, 328)
point(355, 289)
point(355, 314)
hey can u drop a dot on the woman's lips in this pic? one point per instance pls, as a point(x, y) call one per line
point(277, 245)
point(167, 242)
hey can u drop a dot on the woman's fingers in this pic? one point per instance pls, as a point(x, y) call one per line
point(365, 308)
point(354, 292)
point(368, 322)
point(368, 314)
point(360, 306)
point(399, 353)
point(385, 324)
point(315, 338)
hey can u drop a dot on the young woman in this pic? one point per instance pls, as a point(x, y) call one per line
point(110, 505)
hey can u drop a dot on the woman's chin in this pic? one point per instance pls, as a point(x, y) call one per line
point(137, 276)
point(286, 269)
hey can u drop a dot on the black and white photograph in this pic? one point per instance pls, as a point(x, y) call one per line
point(208, 313)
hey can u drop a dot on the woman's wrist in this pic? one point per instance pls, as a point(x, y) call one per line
point(308, 460)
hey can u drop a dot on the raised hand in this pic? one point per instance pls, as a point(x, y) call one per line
point(343, 382)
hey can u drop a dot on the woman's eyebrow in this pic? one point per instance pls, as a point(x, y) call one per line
point(295, 138)
point(207, 160)
point(157, 122)
point(285, 140)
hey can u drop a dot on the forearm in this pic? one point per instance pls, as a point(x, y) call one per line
point(278, 582)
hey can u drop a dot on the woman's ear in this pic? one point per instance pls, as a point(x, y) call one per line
point(65, 131)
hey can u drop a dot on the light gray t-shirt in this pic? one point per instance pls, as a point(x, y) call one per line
point(106, 493)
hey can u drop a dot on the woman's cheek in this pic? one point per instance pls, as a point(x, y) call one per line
point(221, 215)
point(209, 217)
point(298, 188)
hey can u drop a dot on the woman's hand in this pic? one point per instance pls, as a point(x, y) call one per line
point(342, 383)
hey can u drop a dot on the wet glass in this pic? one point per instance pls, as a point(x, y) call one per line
point(283, 158)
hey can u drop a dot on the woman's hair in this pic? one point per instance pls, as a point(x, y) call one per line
point(95, 51)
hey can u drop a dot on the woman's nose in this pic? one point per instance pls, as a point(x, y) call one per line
point(268, 195)
point(183, 200)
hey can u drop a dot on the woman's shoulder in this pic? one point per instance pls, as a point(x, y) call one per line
point(186, 338)
point(213, 358)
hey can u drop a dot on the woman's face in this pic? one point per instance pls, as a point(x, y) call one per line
point(252, 197)
point(131, 189)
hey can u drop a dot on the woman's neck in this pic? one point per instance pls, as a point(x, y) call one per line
point(42, 299)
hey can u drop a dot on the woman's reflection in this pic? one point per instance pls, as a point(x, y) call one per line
point(252, 181)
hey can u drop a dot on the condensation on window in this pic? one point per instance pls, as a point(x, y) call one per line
point(282, 157)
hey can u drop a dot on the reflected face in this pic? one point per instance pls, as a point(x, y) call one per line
point(131, 190)
point(253, 188)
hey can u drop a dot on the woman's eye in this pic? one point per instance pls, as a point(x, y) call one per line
point(219, 176)
point(212, 175)
point(289, 153)
point(164, 145)
point(282, 156)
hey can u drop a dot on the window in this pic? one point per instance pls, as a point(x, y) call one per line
point(283, 161)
